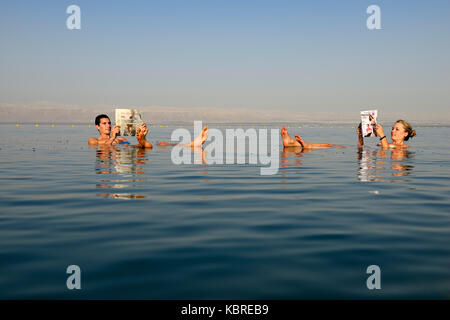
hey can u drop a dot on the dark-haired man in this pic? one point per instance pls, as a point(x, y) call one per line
point(109, 137)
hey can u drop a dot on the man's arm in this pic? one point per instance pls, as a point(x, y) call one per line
point(93, 141)
point(113, 140)
point(141, 134)
point(110, 142)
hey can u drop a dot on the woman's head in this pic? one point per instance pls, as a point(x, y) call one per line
point(402, 131)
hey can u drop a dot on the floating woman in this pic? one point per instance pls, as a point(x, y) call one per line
point(401, 132)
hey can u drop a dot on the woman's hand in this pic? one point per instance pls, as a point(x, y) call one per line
point(379, 130)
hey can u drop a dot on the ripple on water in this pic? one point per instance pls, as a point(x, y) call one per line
point(142, 227)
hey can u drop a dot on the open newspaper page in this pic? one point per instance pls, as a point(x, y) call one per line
point(128, 120)
point(368, 120)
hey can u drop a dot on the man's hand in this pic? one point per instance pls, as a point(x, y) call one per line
point(144, 129)
point(141, 132)
point(115, 131)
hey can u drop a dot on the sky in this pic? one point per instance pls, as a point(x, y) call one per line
point(285, 56)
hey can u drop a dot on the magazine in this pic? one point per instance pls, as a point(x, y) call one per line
point(368, 122)
point(128, 120)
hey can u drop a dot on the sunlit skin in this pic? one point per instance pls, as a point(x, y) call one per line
point(398, 148)
point(108, 136)
point(398, 135)
point(288, 141)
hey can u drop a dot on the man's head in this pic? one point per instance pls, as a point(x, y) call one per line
point(103, 124)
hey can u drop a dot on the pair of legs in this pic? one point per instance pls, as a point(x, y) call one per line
point(288, 141)
point(141, 134)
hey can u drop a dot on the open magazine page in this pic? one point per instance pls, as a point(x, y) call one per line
point(128, 120)
point(368, 120)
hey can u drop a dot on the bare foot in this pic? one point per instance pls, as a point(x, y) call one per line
point(287, 140)
point(300, 140)
point(201, 138)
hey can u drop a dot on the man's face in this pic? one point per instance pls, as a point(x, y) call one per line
point(105, 126)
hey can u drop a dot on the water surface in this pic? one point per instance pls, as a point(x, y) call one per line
point(141, 227)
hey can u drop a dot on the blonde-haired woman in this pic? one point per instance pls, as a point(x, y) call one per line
point(401, 132)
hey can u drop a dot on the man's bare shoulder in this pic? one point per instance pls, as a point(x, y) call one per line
point(93, 141)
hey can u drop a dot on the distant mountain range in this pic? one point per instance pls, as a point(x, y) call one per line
point(51, 113)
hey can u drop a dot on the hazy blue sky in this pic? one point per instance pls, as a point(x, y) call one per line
point(290, 55)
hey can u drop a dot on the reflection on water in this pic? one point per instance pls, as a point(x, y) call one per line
point(223, 231)
point(286, 154)
point(374, 164)
point(291, 156)
point(127, 162)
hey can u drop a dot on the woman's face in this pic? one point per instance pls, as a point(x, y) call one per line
point(398, 132)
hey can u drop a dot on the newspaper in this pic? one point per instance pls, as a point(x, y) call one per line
point(368, 121)
point(128, 120)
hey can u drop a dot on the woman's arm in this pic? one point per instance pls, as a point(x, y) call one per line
point(360, 136)
point(379, 130)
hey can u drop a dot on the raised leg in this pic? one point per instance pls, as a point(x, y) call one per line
point(287, 139)
point(201, 138)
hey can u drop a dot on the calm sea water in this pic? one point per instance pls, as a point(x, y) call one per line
point(140, 227)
